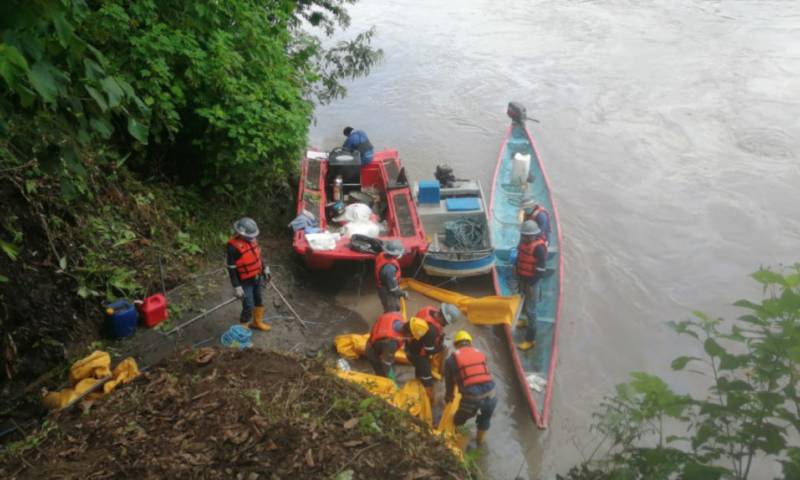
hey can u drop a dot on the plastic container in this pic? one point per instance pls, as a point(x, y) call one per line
point(520, 167)
point(153, 310)
point(123, 317)
point(428, 191)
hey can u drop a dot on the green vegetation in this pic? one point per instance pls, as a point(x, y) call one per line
point(132, 133)
point(751, 409)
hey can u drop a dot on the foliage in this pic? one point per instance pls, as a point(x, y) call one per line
point(111, 110)
point(751, 410)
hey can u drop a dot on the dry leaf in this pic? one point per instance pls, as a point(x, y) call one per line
point(350, 423)
point(309, 458)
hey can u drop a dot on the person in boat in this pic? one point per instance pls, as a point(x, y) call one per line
point(385, 339)
point(425, 346)
point(529, 268)
point(387, 275)
point(467, 369)
point(358, 140)
point(248, 272)
point(533, 211)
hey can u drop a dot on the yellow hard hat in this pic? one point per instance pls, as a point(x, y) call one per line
point(462, 336)
point(419, 327)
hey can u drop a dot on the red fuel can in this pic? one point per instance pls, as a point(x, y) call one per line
point(153, 310)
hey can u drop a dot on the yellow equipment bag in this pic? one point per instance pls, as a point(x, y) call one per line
point(85, 373)
point(124, 373)
point(96, 365)
point(490, 310)
point(354, 345)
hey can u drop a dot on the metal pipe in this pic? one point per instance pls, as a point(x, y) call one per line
point(289, 305)
point(198, 317)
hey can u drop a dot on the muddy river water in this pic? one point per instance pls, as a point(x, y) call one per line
point(670, 130)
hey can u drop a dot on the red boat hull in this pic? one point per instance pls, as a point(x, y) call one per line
point(401, 215)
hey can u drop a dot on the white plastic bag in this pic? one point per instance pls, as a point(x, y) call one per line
point(322, 241)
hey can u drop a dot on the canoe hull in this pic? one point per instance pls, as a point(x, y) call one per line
point(539, 362)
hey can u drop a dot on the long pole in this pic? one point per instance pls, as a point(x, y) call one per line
point(198, 317)
point(288, 305)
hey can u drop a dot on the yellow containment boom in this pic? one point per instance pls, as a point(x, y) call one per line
point(491, 310)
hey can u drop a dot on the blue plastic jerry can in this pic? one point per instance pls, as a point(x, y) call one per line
point(123, 317)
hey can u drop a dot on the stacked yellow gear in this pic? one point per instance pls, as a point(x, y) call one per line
point(86, 373)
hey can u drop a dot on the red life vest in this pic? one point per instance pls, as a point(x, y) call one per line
point(472, 368)
point(526, 261)
point(427, 314)
point(381, 261)
point(249, 263)
point(536, 212)
point(384, 329)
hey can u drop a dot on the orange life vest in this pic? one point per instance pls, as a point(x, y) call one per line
point(472, 369)
point(526, 261)
point(536, 212)
point(384, 329)
point(427, 314)
point(381, 261)
point(249, 263)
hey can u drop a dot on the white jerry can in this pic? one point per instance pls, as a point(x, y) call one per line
point(520, 168)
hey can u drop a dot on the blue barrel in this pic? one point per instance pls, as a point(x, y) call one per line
point(123, 319)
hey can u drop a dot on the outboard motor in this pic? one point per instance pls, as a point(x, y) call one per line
point(517, 112)
point(444, 174)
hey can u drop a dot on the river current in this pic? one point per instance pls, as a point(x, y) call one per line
point(670, 130)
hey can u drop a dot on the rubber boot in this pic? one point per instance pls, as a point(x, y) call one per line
point(431, 395)
point(479, 437)
point(258, 317)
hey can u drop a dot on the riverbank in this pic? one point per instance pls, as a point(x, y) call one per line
point(219, 413)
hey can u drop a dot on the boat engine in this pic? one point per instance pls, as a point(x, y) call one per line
point(444, 174)
point(517, 112)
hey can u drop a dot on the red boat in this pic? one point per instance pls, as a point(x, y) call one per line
point(339, 177)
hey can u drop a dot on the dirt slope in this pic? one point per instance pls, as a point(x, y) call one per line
point(214, 413)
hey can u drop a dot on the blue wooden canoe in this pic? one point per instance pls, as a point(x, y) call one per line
point(539, 363)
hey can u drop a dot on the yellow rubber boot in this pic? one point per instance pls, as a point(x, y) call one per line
point(258, 317)
point(479, 437)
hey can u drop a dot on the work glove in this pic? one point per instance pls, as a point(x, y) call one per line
point(403, 294)
point(239, 292)
point(448, 399)
point(266, 274)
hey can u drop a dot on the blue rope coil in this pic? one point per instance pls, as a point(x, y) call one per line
point(237, 337)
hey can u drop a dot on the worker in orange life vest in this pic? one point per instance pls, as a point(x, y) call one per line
point(533, 211)
point(467, 369)
point(248, 272)
point(426, 343)
point(385, 339)
point(387, 275)
point(530, 267)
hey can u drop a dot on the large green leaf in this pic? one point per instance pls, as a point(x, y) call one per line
point(12, 64)
point(102, 126)
point(137, 130)
point(713, 348)
point(98, 98)
point(113, 91)
point(43, 79)
point(768, 277)
point(680, 362)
